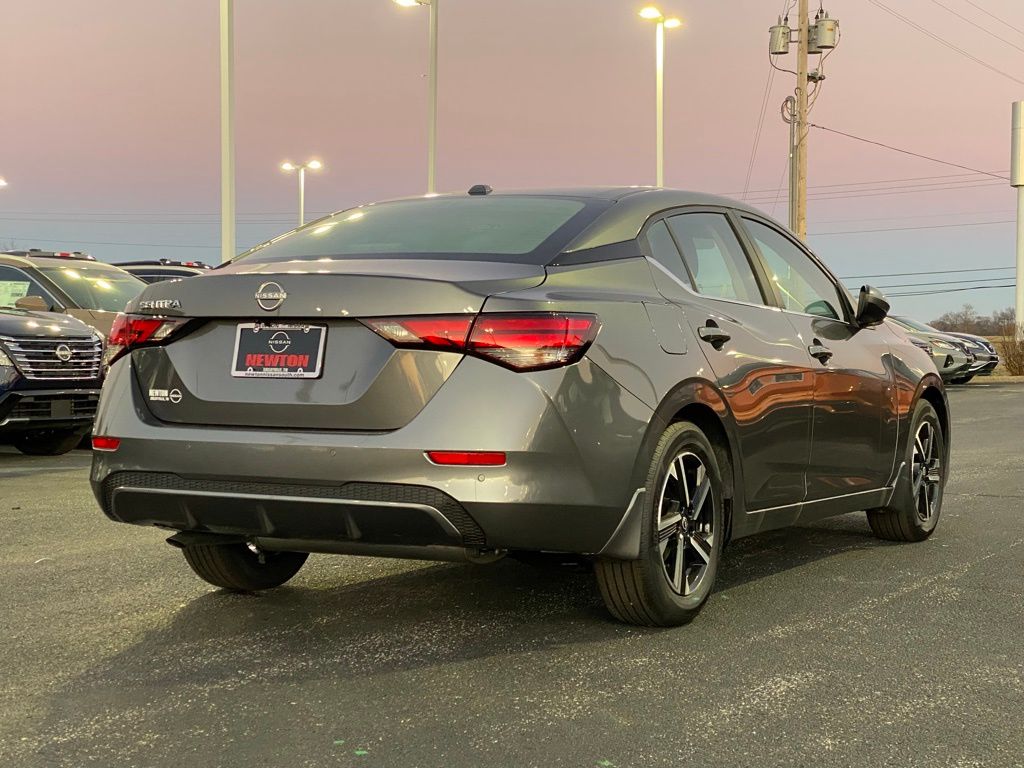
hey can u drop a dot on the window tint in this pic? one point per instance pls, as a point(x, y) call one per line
point(15, 284)
point(799, 282)
point(715, 257)
point(506, 226)
point(664, 251)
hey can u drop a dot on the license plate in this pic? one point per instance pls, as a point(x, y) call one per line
point(277, 351)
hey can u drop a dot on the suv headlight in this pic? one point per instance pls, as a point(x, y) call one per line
point(5, 361)
point(942, 344)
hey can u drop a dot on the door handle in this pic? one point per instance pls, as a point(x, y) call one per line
point(820, 351)
point(713, 335)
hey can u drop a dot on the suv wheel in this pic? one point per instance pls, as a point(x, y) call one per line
point(681, 538)
point(238, 567)
point(49, 442)
point(913, 512)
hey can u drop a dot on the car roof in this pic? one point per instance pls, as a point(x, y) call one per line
point(628, 208)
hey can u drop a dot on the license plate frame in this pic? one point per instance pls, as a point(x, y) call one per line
point(277, 355)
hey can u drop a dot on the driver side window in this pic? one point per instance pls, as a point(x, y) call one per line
point(798, 281)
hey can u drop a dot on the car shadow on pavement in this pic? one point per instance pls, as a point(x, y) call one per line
point(332, 617)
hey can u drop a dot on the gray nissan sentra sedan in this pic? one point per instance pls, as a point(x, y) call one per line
point(634, 375)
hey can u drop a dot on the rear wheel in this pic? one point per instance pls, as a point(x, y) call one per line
point(681, 538)
point(48, 442)
point(241, 568)
point(913, 512)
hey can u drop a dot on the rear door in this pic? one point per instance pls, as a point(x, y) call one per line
point(758, 364)
point(853, 441)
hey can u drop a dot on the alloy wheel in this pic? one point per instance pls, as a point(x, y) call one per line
point(686, 523)
point(926, 471)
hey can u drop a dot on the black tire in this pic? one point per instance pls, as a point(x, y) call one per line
point(913, 512)
point(236, 567)
point(642, 591)
point(49, 442)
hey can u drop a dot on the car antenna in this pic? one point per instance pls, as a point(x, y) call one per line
point(480, 189)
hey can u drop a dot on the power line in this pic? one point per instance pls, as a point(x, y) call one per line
point(992, 15)
point(907, 151)
point(760, 125)
point(934, 271)
point(908, 229)
point(943, 41)
point(950, 290)
point(978, 26)
point(939, 282)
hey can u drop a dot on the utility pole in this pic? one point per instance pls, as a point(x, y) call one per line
point(1017, 180)
point(227, 130)
point(800, 204)
point(813, 37)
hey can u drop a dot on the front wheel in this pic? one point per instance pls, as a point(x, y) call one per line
point(681, 538)
point(913, 512)
point(241, 568)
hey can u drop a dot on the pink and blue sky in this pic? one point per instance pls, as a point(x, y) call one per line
point(110, 113)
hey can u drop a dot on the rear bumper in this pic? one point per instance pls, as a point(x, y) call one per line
point(565, 486)
point(29, 409)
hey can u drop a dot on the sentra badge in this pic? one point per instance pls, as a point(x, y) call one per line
point(159, 304)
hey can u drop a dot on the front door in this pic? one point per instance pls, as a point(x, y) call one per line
point(853, 443)
point(755, 358)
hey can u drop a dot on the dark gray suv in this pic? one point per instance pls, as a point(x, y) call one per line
point(632, 375)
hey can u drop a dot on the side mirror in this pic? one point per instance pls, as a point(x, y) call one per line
point(32, 304)
point(872, 307)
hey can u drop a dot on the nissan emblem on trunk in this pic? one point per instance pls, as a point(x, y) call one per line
point(270, 296)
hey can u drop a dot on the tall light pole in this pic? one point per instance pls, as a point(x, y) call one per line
point(1017, 180)
point(312, 165)
point(432, 92)
point(653, 14)
point(227, 131)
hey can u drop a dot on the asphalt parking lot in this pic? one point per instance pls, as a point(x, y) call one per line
point(822, 646)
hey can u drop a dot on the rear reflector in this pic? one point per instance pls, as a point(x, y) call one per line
point(102, 443)
point(467, 458)
point(522, 341)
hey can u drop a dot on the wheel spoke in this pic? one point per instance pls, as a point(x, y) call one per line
point(683, 480)
point(701, 546)
point(700, 497)
point(678, 577)
point(668, 526)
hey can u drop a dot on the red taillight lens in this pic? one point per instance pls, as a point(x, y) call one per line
point(532, 342)
point(130, 331)
point(467, 458)
point(102, 443)
point(447, 332)
point(522, 341)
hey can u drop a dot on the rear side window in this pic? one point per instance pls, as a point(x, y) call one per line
point(663, 249)
point(509, 226)
point(800, 283)
point(714, 257)
point(15, 284)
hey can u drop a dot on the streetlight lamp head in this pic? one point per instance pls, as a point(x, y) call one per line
point(287, 166)
point(672, 23)
point(650, 12)
point(3, 181)
point(314, 165)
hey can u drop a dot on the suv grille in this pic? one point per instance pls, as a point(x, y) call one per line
point(41, 358)
point(41, 407)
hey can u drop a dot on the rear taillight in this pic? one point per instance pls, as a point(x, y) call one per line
point(522, 341)
point(131, 331)
point(467, 458)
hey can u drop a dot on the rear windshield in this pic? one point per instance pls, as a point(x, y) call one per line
point(526, 229)
point(96, 287)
